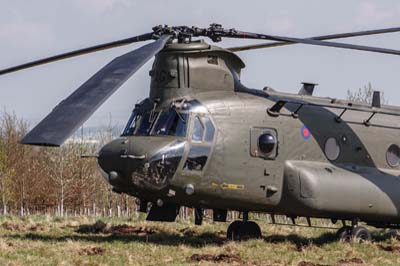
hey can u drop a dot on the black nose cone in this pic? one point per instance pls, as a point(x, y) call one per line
point(111, 156)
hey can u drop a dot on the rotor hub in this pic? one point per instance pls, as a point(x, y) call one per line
point(185, 33)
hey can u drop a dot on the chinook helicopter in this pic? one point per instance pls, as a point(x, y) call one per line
point(204, 140)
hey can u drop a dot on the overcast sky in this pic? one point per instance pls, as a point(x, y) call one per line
point(33, 29)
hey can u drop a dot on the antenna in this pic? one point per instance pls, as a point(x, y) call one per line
point(307, 89)
point(376, 99)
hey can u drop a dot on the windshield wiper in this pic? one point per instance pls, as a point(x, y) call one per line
point(179, 115)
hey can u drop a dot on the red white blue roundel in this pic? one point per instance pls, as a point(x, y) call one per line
point(305, 132)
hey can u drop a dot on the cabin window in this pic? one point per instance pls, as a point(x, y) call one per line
point(332, 149)
point(264, 143)
point(393, 155)
point(171, 123)
point(198, 130)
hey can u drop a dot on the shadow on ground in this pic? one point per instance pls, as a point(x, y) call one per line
point(184, 236)
point(161, 238)
point(299, 241)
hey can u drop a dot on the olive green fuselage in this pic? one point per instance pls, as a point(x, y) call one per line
point(319, 167)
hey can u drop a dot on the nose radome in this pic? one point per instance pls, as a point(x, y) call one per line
point(123, 157)
point(109, 158)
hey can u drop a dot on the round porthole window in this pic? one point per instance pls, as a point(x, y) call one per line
point(332, 149)
point(393, 155)
point(266, 143)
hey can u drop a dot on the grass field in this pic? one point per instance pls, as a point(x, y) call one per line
point(87, 241)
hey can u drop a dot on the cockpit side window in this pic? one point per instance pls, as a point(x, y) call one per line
point(197, 158)
point(202, 137)
point(210, 129)
point(198, 130)
point(132, 124)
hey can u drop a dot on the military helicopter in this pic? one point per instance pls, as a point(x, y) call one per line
point(204, 140)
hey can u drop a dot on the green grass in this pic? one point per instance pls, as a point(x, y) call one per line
point(76, 241)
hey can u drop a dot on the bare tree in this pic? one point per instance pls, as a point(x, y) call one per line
point(15, 155)
point(47, 179)
point(364, 95)
point(60, 168)
point(6, 175)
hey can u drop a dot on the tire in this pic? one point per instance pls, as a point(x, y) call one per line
point(249, 230)
point(393, 233)
point(344, 233)
point(239, 230)
point(361, 234)
point(233, 230)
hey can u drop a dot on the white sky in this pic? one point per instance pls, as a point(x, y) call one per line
point(33, 29)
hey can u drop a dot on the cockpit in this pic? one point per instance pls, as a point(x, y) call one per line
point(161, 142)
point(165, 123)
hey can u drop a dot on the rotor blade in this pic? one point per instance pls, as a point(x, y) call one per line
point(319, 38)
point(143, 37)
point(249, 35)
point(72, 112)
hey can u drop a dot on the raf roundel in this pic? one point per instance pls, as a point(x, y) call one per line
point(305, 133)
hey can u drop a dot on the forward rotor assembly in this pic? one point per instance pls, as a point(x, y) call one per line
point(72, 112)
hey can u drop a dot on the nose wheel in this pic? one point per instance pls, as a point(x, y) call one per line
point(243, 230)
point(358, 233)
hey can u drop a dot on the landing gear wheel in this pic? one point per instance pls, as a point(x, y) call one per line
point(233, 229)
point(344, 233)
point(361, 234)
point(394, 233)
point(239, 230)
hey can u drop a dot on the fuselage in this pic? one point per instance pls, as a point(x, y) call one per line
point(202, 146)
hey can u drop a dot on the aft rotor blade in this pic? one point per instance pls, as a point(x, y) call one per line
point(72, 112)
point(319, 38)
point(143, 37)
point(249, 35)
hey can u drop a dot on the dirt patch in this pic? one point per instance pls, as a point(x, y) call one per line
point(187, 232)
point(4, 245)
point(309, 263)
point(127, 229)
point(13, 226)
point(22, 227)
point(394, 249)
point(70, 224)
point(301, 248)
point(351, 261)
point(95, 228)
point(102, 228)
point(91, 251)
point(226, 258)
point(36, 227)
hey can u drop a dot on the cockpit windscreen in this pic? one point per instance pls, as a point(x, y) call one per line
point(171, 123)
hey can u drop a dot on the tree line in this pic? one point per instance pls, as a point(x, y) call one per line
point(55, 181)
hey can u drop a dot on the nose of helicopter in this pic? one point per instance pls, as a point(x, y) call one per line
point(111, 156)
point(139, 161)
